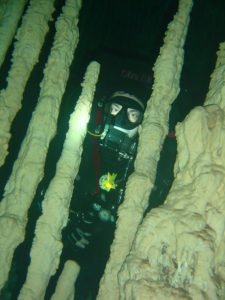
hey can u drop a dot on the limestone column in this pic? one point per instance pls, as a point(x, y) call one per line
point(65, 286)
point(10, 15)
point(28, 169)
point(216, 93)
point(153, 130)
point(47, 245)
point(29, 41)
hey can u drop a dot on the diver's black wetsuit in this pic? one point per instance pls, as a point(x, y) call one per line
point(93, 211)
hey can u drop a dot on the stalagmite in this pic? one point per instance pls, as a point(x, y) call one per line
point(30, 38)
point(153, 130)
point(28, 169)
point(65, 286)
point(47, 244)
point(178, 252)
point(10, 14)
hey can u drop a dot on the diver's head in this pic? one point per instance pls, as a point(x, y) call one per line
point(124, 111)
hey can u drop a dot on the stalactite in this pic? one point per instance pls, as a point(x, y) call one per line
point(216, 91)
point(10, 14)
point(47, 244)
point(65, 286)
point(30, 38)
point(153, 130)
point(28, 169)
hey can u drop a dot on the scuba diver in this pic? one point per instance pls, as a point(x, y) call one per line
point(113, 141)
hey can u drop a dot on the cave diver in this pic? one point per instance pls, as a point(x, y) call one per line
point(115, 143)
